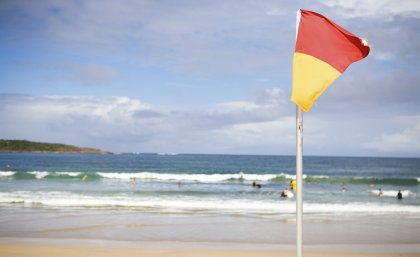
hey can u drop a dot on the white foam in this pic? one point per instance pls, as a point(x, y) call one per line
point(360, 208)
point(205, 178)
point(39, 174)
point(65, 199)
point(289, 176)
point(393, 193)
point(194, 203)
point(7, 173)
point(321, 176)
point(71, 174)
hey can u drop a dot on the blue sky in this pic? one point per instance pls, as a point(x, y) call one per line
point(203, 77)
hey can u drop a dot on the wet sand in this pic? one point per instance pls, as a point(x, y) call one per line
point(80, 232)
point(41, 250)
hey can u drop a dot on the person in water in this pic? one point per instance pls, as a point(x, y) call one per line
point(343, 187)
point(399, 195)
point(293, 185)
point(133, 181)
point(256, 185)
point(381, 193)
point(285, 193)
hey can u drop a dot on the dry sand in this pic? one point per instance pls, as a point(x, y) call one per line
point(43, 250)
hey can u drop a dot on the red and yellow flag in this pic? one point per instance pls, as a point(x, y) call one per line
point(323, 52)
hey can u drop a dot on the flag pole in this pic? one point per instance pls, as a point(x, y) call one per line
point(299, 181)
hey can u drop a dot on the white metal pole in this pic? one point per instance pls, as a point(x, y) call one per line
point(299, 181)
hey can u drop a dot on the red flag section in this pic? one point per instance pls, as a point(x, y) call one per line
point(323, 51)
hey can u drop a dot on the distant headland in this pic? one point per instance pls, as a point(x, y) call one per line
point(24, 146)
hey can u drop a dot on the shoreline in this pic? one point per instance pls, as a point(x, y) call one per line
point(385, 248)
point(38, 247)
point(27, 225)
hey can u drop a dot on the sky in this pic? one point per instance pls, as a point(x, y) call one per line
point(206, 76)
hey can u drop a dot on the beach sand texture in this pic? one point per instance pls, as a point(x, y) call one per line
point(23, 250)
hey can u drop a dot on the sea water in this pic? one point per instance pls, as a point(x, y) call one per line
point(179, 187)
point(212, 183)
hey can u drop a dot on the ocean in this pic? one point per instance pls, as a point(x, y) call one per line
point(130, 192)
point(208, 183)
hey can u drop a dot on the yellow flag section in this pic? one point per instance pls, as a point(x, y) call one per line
point(311, 77)
point(323, 52)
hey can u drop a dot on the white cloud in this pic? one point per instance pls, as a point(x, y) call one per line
point(370, 92)
point(125, 124)
point(273, 98)
point(405, 141)
point(79, 120)
point(92, 74)
point(264, 124)
point(387, 9)
point(276, 12)
point(187, 36)
point(383, 56)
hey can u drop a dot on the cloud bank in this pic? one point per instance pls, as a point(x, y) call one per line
point(265, 123)
point(124, 124)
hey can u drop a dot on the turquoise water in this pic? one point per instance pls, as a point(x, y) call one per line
point(187, 183)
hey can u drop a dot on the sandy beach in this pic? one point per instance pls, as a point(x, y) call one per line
point(48, 232)
point(41, 250)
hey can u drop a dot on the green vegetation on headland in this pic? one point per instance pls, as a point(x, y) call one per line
point(36, 147)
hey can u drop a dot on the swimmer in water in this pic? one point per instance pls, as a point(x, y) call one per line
point(399, 195)
point(254, 184)
point(293, 185)
point(343, 187)
point(285, 193)
point(133, 181)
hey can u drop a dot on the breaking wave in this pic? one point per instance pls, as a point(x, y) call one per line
point(208, 178)
point(188, 204)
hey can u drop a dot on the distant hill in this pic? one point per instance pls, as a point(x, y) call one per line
point(36, 147)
